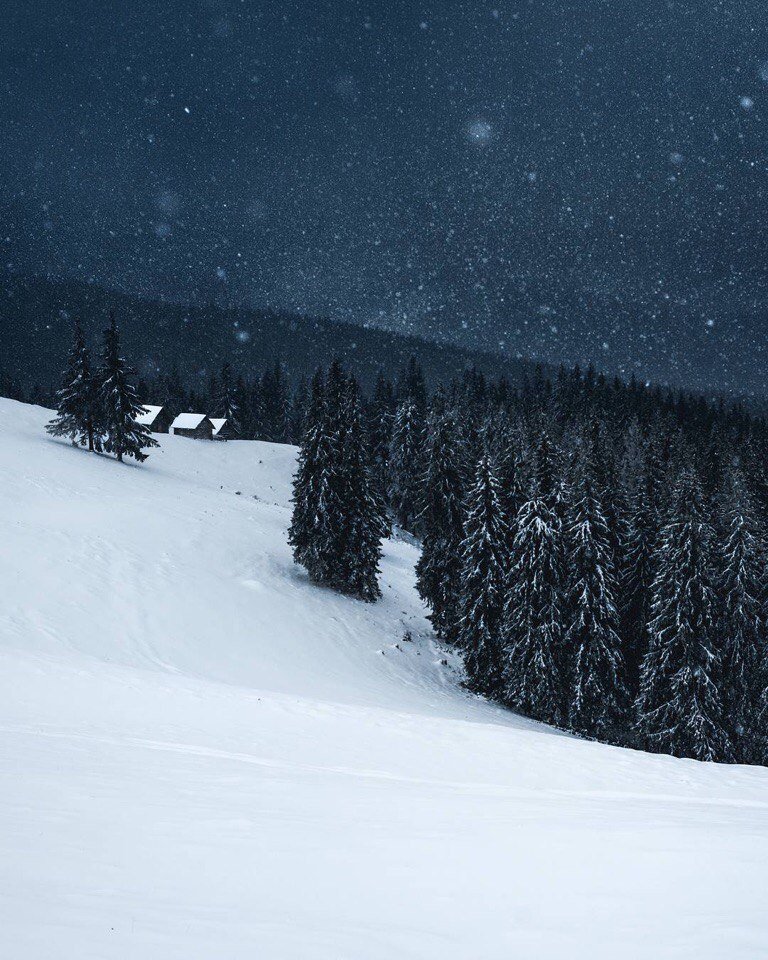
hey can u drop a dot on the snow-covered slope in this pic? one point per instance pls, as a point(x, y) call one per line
point(203, 757)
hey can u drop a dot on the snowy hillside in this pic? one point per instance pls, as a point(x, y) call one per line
point(206, 758)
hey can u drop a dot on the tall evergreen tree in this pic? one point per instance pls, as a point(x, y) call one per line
point(596, 690)
point(361, 523)
point(484, 562)
point(532, 622)
point(405, 463)
point(380, 417)
point(741, 624)
point(77, 403)
point(119, 404)
point(311, 493)
point(679, 706)
point(439, 567)
point(337, 523)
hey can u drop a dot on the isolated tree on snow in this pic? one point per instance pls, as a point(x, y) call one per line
point(484, 562)
point(77, 406)
point(119, 403)
point(595, 671)
point(532, 623)
point(679, 706)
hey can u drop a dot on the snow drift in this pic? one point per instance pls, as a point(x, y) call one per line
point(204, 756)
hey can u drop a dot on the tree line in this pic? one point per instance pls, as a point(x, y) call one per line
point(265, 406)
point(594, 549)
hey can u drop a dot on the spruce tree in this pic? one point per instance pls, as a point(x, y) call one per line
point(337, 523)
point(360, 522)
point(405, 460)
point(439, 568)
point(380, 418)
point(640, 493)
point(77, 402)
point(532, 622)
point(679, 707)
point(595, 671)
point(119, 404)
point(741, 622)
point(484, 562)
point(311, 485)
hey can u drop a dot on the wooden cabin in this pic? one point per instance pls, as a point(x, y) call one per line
point(194, 425)
point(158, 419)
point(223, 429)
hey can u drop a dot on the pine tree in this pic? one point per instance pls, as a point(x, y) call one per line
point(119, 403)
point(532, 622)
point(484, 563)
point(380, 418)
point(641, 482)
point(679, 707)
point(405, 459)
point(77, 406)
point(741, 622)
point(595, 672)
point(439, 568)
point(361, 523)
point(310, 485)
point(337, 523)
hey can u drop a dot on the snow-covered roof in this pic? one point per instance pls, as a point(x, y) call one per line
point(188, 421)
point(149, 415)
point(218, 423)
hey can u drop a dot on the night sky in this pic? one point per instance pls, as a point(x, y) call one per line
point(574, 181)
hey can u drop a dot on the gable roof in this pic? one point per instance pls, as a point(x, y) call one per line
point(149, 416)
point(188, 421)
point(218, 423)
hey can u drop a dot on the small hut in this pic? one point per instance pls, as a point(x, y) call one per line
point(195, 425)
point(158, 419)
point(223, 429)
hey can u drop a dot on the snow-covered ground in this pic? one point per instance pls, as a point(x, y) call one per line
point(204, 757)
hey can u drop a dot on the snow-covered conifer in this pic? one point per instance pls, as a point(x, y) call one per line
point(679, 706)
point(337, 523)
point(596, 693)
point(741, 625)
point(77, 412)
point(119, 405)
point(532, 622)
point(484, 563)
point(439, 568)
point(405, 465)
